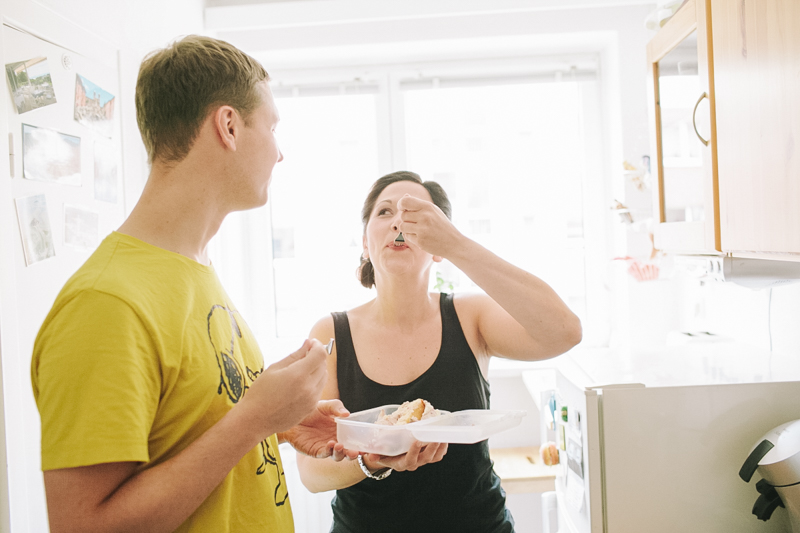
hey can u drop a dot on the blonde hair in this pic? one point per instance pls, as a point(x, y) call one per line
point(179, 85)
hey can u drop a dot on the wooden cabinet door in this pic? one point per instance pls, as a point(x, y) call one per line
point(756, 47)
point(681, 65)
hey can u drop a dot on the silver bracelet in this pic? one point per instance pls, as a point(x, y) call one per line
point(381, 474)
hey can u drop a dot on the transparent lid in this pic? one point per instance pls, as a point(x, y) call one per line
point(466, 427)
point(360, 432)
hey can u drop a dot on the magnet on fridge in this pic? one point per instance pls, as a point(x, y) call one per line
point(564, 415)
point(575, 492)
point(551, 404)
point(575, 421)
point(562, 438)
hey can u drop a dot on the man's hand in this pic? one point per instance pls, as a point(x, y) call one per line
point(315, 435)
point(287, 391)
point(118, 497)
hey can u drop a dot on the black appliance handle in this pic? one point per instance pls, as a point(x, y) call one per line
point(765, 505)
point(751, 463)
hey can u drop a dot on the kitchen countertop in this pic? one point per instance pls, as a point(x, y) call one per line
point(687, 364)
point(521, 470)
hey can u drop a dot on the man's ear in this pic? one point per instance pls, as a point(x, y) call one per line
point(226, 123)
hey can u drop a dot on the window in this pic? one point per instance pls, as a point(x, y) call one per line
point(511, 158)
point(330, 159)
point(518, 156)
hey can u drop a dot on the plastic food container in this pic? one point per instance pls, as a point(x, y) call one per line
point(360, 432)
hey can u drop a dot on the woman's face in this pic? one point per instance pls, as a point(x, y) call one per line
point(382, 229)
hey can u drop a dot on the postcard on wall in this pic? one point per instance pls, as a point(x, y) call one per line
point(30, 84)
point(81, 227)
point(105, 172)
point(34, 227)
point(48, 155)
point(94, 107)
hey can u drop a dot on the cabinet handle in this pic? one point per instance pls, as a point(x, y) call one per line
point(694, 122)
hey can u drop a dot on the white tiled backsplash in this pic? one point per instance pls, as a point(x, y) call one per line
point(754, 316)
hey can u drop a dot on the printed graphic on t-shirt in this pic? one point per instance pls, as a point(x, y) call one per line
point(224, 334)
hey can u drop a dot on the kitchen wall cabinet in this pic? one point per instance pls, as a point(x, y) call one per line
point(757, 80)
point(681, 66)
point(728, 130)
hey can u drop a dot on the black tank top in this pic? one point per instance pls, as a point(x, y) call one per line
point(461, 493)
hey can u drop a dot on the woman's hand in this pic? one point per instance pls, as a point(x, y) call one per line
point(421, 453)
point(425, 225)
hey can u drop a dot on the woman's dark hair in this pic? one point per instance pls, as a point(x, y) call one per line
point(365, 272)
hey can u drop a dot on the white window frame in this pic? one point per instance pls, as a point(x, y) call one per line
point(392, 156)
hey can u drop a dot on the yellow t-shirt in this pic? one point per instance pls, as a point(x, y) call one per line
point(141, 353)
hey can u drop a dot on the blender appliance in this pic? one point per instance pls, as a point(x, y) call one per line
point(776, 458)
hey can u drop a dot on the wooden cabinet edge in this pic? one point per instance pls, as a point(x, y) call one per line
point(680, 26)
point(687, 238)
point(713, 228)
point(683, 23)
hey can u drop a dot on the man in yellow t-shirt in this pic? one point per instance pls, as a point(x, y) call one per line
point(157, 413)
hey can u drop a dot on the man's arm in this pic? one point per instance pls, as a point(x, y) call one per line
point(114, 497)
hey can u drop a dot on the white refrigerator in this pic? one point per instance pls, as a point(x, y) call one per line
point(652, 442)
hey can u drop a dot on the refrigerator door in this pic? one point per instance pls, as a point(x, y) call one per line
point(578, 485)
point(671, 455)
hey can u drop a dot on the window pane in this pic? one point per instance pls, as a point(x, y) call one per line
point(330, 159)
point(511, 158)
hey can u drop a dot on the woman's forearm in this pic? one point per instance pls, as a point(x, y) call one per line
point(320, 475)
point(528, 299)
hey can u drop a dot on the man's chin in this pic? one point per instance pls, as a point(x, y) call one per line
point(254, 202)
point(260, 199)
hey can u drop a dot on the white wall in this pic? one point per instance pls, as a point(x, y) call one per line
point(114, 34)
point(134, 28)
point(753, 317)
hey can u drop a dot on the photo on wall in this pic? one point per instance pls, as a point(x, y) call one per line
point(81, 227)
point(34, 227)
point(30, 84)
point(94, 107)
point(48, 155)
point(105, 172)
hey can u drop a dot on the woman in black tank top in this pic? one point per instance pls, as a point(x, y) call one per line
point(408, 343)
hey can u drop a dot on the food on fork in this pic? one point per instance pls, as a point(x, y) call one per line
point(407, 413)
